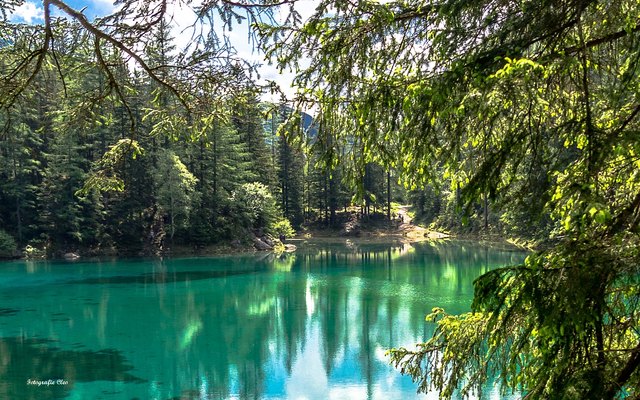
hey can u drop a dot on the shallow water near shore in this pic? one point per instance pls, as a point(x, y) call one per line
point(314, 324)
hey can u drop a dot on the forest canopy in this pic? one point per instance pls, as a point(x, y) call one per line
point(530, 107)
point(115, 139)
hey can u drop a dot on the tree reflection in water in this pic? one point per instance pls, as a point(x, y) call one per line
point(314, 323)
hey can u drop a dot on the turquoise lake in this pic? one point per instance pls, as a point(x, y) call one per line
point(314, 324)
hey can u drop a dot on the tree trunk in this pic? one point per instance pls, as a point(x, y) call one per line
point(18, 219)
point(389, 195)
point(486, 212)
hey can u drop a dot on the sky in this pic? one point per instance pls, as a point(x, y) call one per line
point(31, 12)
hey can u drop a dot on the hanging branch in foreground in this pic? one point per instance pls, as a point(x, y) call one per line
point(125, 35)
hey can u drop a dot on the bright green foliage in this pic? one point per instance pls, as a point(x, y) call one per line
point(105, 177)
point(175, 187)
point(518, 333)
point(533, 104)
point(254, 206)
point(132, 217)
point(282, 227)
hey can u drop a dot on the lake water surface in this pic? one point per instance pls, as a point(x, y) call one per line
point(314, 324)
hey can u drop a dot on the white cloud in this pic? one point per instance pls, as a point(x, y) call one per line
point(28, 12)
point(308, 377)
point(182, 17)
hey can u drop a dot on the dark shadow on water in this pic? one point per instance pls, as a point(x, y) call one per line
point(27, 361)
point(165, 277)
point(8, 312)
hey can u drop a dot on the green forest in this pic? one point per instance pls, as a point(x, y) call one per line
point(113, 162)
point(515, 118)
point(116, 164)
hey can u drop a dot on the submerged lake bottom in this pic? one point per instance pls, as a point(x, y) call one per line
point(314, 324)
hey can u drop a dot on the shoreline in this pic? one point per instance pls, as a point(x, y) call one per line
point(227, 249)
point(401, 230)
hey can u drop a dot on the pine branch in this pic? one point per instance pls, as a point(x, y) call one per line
point(98, 33)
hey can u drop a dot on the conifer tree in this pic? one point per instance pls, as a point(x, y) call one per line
point(175, 187)
point(291, 180)
point(248, 121)
point(20, 172)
